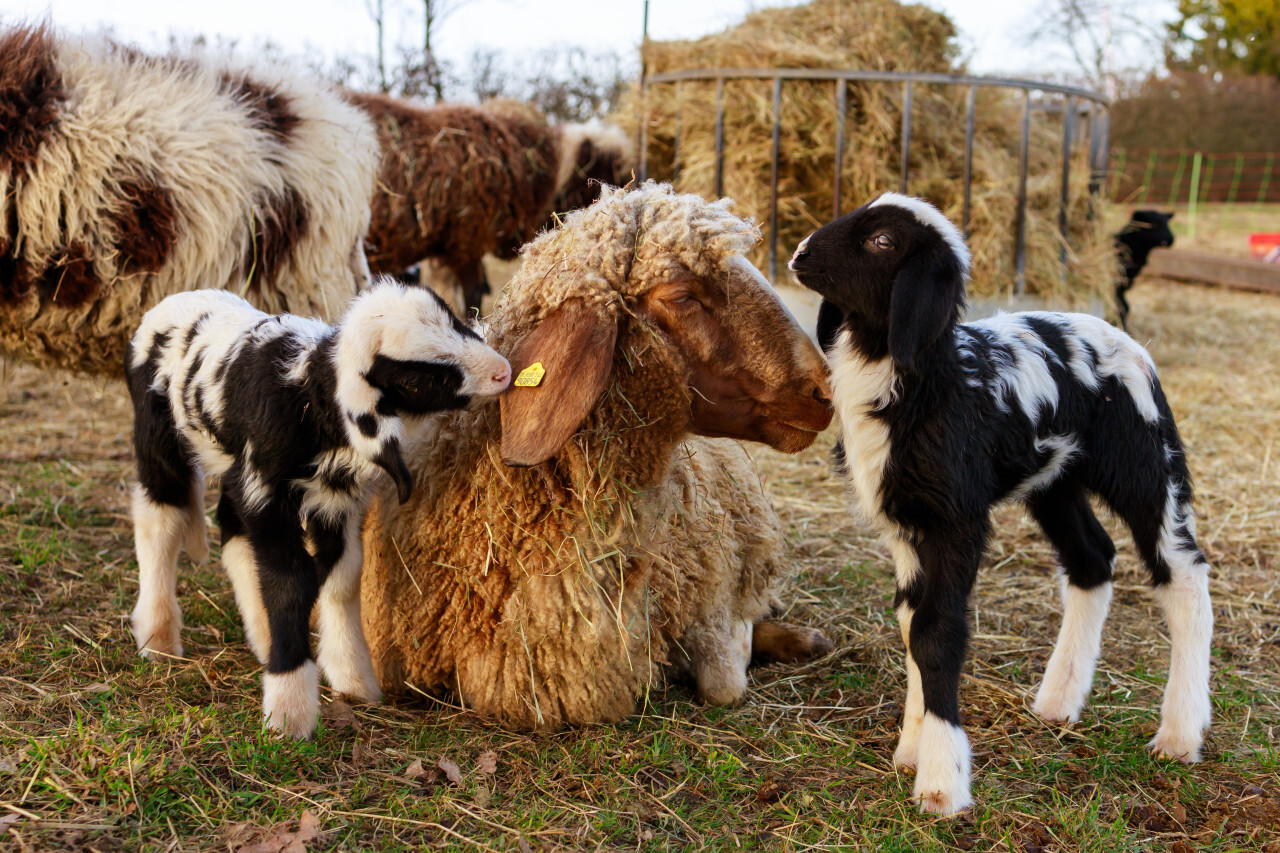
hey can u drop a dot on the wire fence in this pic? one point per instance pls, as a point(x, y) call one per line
point(1163, 176)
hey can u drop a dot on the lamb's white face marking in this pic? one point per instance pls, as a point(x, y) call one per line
point(791, 264)
point(860, 387)
point(1068, 676)
point(942, 773)
point(927, 214)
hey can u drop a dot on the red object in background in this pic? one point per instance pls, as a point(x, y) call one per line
point(1265, 246)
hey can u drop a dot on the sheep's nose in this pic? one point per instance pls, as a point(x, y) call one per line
point(822, 396)
point(502, 376)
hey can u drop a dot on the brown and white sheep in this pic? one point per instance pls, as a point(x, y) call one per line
point(125, 178)
point(459, 182)
point(630, 535)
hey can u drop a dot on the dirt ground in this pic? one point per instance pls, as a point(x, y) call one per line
point(99, 750)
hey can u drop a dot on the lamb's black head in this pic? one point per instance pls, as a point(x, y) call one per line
point(1148, 228)
point(892, 272)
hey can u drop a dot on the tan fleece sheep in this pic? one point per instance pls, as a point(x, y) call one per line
point(125, 178)
point(555, 593)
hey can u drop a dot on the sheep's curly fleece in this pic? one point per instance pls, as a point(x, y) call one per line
point(125, 178)
point(554, 595)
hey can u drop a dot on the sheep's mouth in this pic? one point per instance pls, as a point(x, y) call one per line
point(788, 438)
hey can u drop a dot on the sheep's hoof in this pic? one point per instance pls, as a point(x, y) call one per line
point(291, 701)
point(945, 803)
point(782, 642)
point(1172, 745)
point(158, 639)
point(905, 756)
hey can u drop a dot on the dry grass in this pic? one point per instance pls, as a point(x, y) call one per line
point(879, 35)
point(100, 750)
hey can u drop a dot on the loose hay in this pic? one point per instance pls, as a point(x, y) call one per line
point(114, 754)
point(877, 35)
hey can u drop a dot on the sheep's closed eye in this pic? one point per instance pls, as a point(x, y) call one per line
point(409, 384)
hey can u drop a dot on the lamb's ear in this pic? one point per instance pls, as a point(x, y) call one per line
point(929, 287)
point(392, 461)
point(574, 345)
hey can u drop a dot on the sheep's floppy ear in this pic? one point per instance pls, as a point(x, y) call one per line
point(574, 345)
point(927, 289)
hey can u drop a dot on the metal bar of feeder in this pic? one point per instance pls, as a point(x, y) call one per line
point(719, 137)
point(906, 136)
point(1020, 246)
point(1068, 127)
point(968, 157)
point(675, 144)
point(842, 101)
point(773, 196)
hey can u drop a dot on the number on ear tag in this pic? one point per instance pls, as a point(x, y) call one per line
point(531, 376)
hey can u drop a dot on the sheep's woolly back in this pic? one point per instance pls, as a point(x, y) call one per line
point(552, 595)
point(614, 251)
point(133, 177)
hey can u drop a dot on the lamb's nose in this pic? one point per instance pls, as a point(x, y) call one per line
point(503, 376)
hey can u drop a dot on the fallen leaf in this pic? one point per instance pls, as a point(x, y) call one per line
point(524, 846)
point(9, 820)
point(414, 770)
point(483, 797)
point(339, 715)
point(97, 687)
point(308, 827)
point(451, 771)
point(487, 762)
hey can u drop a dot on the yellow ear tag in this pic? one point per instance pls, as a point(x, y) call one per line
point(531, 376)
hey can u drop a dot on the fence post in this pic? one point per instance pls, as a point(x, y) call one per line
point(675, 147)
point(1235, 179)
point(1177, 177)
point(1266, 179)
point(1195, 195)
point(1152, 156)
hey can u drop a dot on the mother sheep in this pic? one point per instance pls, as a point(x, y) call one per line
point(573, 540)
point(125, 178)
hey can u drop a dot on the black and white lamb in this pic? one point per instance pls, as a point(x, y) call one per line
point(1145, 230)
point(939, 420)
point(296, 416)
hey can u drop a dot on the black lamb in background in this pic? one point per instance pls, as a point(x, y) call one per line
point(1146, 230)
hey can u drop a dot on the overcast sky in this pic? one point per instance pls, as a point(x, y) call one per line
point(992, 31)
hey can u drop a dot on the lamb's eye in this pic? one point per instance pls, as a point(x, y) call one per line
point(883, 241)
point(409, 385)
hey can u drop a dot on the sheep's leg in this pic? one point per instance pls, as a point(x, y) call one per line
point(907, 752)
point(289, 584)
point(474, 284)
point(343, 653)
point(159, 530)
point(719, 650)
point(239, 563)
point(1181, 580)
point(1087, 556)
point(934, 603)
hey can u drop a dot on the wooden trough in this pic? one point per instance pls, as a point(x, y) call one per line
point(1237, 273)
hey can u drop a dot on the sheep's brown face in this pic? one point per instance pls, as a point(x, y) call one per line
point(754, 375)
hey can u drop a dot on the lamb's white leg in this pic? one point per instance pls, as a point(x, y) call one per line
point(1186, 714)
point(242, 568)
point(158, 531)
point(942, 775)
point(1068, 676)
point(197, 539)
point(291, 700)
point(913, 712)
point(343, 652)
